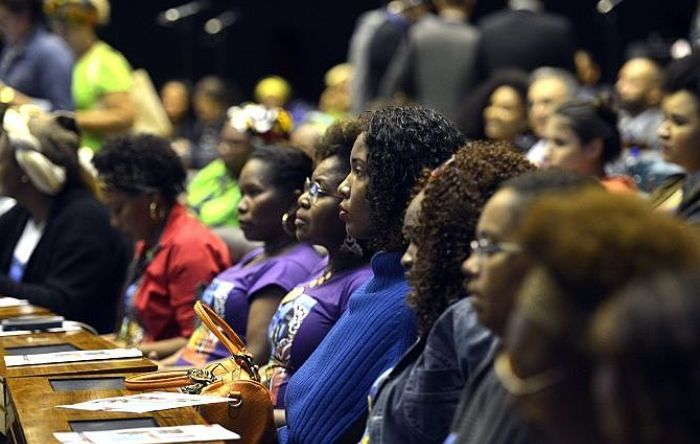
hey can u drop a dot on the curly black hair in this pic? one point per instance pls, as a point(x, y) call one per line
point(338, 141)
point(455, 194)
point(401, 142)
point(137, 163)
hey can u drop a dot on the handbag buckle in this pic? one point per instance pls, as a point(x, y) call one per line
point(201, 375)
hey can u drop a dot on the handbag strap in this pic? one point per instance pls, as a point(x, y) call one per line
point(220, 328)
point(158, 380)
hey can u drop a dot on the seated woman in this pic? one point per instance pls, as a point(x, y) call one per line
point(57, 249)
point(175, 254)
point(646, 385)
point(327, 396)
point(497, 110)
point(416, 401)
point(549, 363)
point(248, 294)
point(582, 137)
point(308, 312)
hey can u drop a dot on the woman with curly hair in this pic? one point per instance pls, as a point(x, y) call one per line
point(548, 364)
point(310, 310)
point(57, 249)
point(175, 254)
point(582, 137)
point(440, 224)
point(326, 398)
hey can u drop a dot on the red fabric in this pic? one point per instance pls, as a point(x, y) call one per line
point(188, 257)
point(619, 185)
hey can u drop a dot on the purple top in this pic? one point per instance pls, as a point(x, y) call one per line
point(301, 322)
point(231, 293)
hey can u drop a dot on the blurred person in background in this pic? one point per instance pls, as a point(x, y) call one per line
point(57, 249)
point(639, 93)
point(436, 65)
point(548, 88)
point(680, 139)
point(35, 66)
point(211, 97)
point(175, 254)
point(497, 110)
point(101, 76)
point(176, 96)
point(582, 137)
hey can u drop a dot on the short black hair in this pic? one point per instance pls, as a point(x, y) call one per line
point(338, 140)
point(683, 75)
point(401, 142)
point(290, 166)
point(593, 119)
point(533, 184)
point(137, 163)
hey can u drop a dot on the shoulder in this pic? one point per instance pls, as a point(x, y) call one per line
point(81, 207)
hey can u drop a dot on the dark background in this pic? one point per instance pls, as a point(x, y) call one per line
point(301, 39)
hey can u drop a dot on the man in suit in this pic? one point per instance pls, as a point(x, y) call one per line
point(524, 36)
point(436, 65)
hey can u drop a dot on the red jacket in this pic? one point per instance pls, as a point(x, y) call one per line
point(188, 256)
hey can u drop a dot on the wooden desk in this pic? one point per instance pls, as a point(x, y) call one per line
point(22, 310)
point(36, 421)
point(79, 339)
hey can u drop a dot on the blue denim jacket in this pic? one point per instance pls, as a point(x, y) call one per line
point(417, 400)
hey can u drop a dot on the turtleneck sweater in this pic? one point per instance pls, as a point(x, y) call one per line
point(328, 394)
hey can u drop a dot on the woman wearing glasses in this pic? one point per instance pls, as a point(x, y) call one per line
point(247, 294)
point(307, 313)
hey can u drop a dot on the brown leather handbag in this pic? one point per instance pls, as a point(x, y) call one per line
point(249, 413)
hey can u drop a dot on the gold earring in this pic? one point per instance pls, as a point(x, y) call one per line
point(153, 211)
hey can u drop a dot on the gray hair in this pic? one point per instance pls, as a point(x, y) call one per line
point(564, 76)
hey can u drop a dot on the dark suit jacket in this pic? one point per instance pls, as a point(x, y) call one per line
point(77, 269)
point(525, 40)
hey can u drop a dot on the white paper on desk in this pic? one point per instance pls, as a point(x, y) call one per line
point(72, 356)
point(145, 402)
point(7, 301)
point(150, 435)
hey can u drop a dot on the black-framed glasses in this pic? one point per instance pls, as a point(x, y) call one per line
point(314, 190)
point(485, 247)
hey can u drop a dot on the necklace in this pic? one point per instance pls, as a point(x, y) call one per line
point(298, 291)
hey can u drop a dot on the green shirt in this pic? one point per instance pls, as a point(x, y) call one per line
point(213, 195)
point(100, 71)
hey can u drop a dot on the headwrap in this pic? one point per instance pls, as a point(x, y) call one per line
point(93, 12)
point(268, 124)
point(47, 176)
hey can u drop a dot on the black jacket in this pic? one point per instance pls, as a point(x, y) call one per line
point(77, 269)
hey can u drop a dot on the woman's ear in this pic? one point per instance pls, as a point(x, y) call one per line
point(593, 150)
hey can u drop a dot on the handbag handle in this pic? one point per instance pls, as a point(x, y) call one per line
point(220, 328)
point(158, 380)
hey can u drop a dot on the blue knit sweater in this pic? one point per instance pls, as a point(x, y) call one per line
point(328, 394)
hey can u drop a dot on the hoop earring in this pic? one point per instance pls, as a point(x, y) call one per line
point(288, 223)
point(153, 212)
point(23, 178)
point(353, 246)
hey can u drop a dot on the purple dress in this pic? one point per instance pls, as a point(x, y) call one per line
point(301, 322)
point(230, 295)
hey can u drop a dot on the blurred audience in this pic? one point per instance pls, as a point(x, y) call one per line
point(210, 100)
point(35, 66)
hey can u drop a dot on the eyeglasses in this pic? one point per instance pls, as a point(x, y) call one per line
point(485, 247)
point(517, 386)
point(314, 191)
